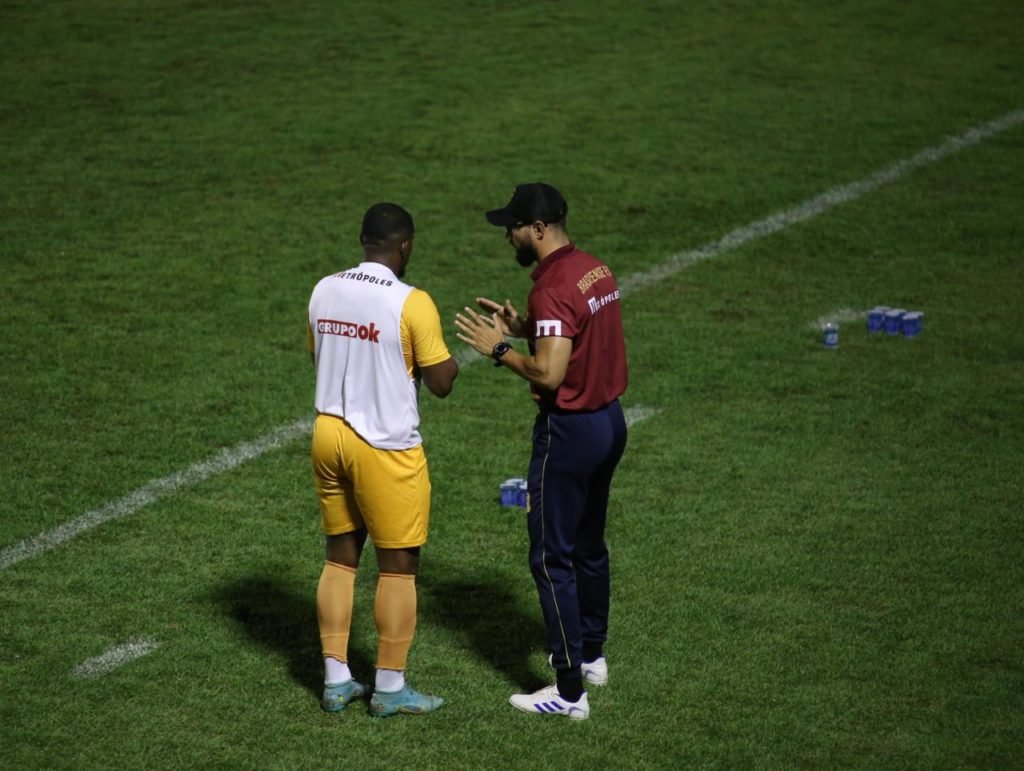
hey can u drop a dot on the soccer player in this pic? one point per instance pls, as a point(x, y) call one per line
point(373, 340)
point(576, 369)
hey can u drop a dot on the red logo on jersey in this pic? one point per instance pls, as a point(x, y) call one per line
point(348, 329)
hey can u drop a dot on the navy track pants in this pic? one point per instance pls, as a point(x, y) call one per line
point(574, 457)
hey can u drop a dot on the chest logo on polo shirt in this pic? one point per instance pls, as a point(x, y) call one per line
point(597, 303)
point(348, 329)
point(549, 328)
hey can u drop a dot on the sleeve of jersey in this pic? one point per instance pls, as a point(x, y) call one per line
point(421, 326)
point(552, 315)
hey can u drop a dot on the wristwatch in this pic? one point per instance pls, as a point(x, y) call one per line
point(499, 350)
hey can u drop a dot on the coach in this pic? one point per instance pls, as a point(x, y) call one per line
point(576, 368)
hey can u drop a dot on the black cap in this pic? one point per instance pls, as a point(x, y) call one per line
point(531, 202)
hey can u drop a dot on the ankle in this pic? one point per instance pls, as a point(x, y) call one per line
point(570, 685)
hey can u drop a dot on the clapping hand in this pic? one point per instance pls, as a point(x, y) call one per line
point(479, 332)
point(511, 323)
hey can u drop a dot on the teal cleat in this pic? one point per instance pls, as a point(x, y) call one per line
point(337, 695)
point(405, 702)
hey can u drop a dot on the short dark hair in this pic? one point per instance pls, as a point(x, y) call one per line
point(385, 222)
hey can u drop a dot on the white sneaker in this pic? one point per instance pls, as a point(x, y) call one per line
point(547, 701)
point(594, 673)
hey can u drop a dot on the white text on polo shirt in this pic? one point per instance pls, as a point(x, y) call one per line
point(348, 329)
point(597, 303)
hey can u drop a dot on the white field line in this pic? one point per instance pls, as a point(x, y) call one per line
point(638, 413)
point(228, 459)
point(115, 657)
point(153, 491)
point(820, 204)
point(838, 316)
point(466, 355)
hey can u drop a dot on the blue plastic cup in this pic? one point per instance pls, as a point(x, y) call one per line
point(913, 322)
point(510, 492)
point(894, 321)
point(521, 494)
point(876, 319)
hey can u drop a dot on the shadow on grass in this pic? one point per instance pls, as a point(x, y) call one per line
point(489, 618)
point(479, 610)
point(283, 620)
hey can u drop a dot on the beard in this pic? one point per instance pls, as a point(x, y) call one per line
point(526, 255)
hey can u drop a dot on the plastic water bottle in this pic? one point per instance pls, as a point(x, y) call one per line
point(830, 335)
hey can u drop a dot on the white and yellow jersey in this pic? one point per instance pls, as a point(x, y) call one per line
point(369, 334)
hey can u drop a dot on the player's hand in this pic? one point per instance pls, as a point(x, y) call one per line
point(512, 325)
point(479, 332)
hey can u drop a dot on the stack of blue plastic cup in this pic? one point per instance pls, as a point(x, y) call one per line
point(510, 492)
point(513, 492)
point(913, 323)
point(876, 318)
point(522, 496)
point(894, 321)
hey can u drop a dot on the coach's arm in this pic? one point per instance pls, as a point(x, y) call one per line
point(545, 369)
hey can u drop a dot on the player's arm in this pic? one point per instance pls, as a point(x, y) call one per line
point(429, 356)
point(440, 378)
point(545, 369)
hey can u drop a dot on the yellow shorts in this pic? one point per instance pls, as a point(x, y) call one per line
point(385, 491)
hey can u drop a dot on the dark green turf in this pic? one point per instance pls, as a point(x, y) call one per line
point(816, 553)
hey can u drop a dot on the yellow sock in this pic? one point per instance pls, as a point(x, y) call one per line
point(334, 596)
point(394, 612)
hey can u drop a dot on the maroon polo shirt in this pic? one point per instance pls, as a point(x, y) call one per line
point(574, 295)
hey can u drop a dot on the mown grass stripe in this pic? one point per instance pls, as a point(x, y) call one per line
point(116, 656)
point(152, 491)
point(231, 458)
point(820, 204)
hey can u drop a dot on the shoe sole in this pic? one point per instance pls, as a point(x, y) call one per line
point(401, 711)
point(341, 707)
point(382, 711)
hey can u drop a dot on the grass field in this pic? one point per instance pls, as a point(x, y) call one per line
point(816, 554)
